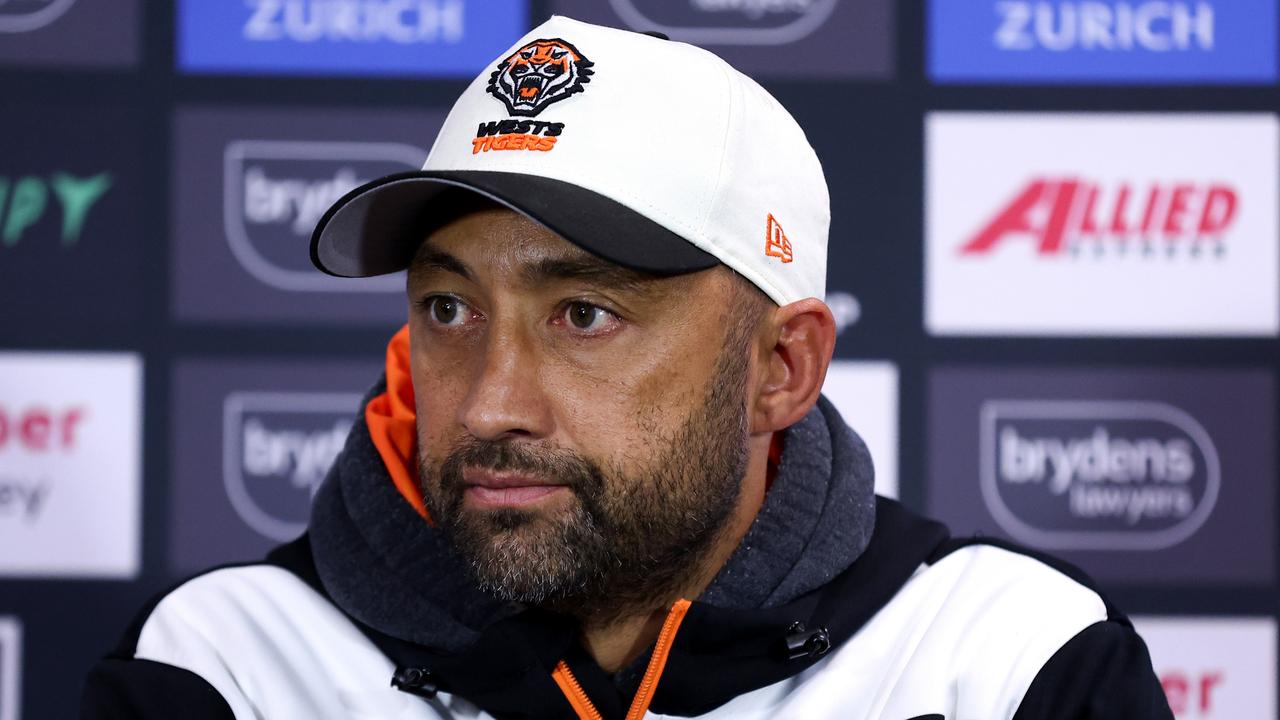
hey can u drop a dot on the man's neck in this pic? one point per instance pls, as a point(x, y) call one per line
point(617, 644)
point(617, 641)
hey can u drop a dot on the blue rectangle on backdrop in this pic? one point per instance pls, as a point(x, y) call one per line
point(435, 38)
point(1103, 41)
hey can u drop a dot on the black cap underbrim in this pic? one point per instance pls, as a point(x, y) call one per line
point(376, 228)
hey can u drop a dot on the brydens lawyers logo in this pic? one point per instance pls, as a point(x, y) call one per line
point(277, 447)
point(274, 193)
point(26, 15)
point(1067, 216)
point(1097, 475)
point(10, 667)
point(527, 81)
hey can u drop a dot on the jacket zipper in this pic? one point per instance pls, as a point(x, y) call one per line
point(582, 704)
point(574, 692)
point(658, 660)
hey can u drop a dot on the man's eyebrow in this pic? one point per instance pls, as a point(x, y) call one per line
point(433, 260)
point(587, 268)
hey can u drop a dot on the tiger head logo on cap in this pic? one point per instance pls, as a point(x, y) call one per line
point(538, 74)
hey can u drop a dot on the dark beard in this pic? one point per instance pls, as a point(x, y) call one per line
point(625, 543)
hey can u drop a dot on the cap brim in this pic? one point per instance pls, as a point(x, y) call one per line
point(376, 228)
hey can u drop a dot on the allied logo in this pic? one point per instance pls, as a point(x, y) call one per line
point(1070, 215)
point(1097, 475)
point(1136, 224)
point(538, 74)
point(275, 192)
point(277, 448)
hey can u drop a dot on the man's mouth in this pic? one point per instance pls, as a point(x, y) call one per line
point(490, 488)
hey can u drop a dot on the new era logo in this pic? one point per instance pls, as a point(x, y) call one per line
point(776, 243)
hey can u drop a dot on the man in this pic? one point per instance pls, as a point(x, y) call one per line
point(598, 479)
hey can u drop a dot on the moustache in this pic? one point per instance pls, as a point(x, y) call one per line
point(579, 474)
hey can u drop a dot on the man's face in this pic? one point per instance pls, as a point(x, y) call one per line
point(582, 429)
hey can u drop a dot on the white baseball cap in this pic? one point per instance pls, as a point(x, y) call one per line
point(652, 154)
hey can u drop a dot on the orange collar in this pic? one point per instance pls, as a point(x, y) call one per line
point(392, 422)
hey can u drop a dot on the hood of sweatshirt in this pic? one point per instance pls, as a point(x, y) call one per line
point(807, 563)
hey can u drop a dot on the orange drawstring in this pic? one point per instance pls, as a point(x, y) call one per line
point(573, 691)
point(658, 660)
point(582, 705)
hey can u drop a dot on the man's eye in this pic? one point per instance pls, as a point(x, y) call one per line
point(585, 316)
point(446, 310)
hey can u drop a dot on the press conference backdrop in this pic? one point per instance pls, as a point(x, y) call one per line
point(1053, 259)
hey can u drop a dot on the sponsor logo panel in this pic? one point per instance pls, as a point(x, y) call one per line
point(1102, 224)
point(252, 442)
point(1133, 474)
point(438, 38)
point(792, 38)
point(10, 668)
point(274, 193)
point(277, 447)
point(69, 219)
point(80, 33)
point(70, 465)
point(1138, 476)
point(251, 186)
point(866, 394)
point(1103, 41)
point(1214, 668)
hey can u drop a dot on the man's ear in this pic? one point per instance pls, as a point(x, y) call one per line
point(794, 368)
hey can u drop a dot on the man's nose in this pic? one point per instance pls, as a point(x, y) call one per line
point(505, 399)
